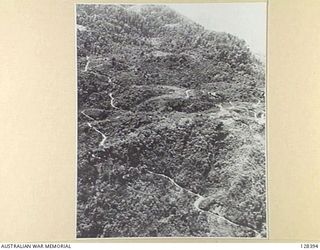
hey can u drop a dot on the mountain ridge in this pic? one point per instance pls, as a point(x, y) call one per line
point(159, 101)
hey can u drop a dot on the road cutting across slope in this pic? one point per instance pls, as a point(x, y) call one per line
point(201, 198)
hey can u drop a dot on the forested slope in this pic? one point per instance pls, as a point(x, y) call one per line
point(171, 127)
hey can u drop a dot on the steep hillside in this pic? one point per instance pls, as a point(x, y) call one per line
point(171, 127)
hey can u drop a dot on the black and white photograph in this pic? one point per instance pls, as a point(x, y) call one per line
point(171, 120)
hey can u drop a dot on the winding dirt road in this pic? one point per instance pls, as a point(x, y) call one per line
point(104, 138)
point(201, 198)
point(87, 64)
point(187, 93)
point(89, 117)
point(112, 101)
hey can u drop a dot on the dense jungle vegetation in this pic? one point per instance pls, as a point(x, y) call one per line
point(171, 127)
